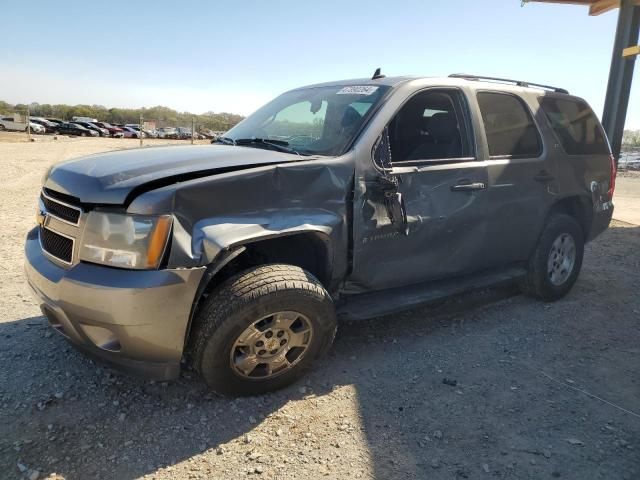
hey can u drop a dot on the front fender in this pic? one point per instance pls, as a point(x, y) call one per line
point(216, 213)
point(212, 236)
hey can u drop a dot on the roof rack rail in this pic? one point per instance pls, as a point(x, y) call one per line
point(519, 83)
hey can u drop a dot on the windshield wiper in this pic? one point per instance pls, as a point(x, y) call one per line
point(279, 145)
point(226, 140)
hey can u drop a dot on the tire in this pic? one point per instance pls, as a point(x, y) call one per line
point(2, 128)
point(548, 278)
point(253, 297)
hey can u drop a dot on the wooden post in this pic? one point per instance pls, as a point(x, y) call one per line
point(28, 125)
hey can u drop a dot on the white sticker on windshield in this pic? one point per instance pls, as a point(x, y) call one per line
point(357, 90)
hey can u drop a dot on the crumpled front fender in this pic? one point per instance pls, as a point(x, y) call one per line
point(212, 236)
point(215, 214)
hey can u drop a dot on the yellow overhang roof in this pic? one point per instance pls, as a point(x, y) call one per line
point(596, 7)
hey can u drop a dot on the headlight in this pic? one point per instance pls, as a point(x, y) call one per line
point(125, 241)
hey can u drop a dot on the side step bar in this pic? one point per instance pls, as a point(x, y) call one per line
point(376, 304)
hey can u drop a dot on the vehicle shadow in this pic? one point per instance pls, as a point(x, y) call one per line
point(504, 386)
point(62, 412)
point(456, 390)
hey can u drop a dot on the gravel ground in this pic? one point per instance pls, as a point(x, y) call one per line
point(489, 385)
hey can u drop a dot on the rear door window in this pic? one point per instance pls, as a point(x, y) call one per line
point(509, 126)
point(576, 126)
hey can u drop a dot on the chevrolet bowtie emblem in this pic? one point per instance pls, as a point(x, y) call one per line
point(41, 217)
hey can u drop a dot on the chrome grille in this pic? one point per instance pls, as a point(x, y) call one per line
point(57, 245)
point(61, 210)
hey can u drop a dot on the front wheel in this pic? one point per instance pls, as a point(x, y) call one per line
point(262, 329)
point(556, 262)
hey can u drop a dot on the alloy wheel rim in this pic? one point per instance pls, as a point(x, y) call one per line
point(271, 345)
point(562, 259)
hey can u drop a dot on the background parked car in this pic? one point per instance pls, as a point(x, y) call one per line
point(167, 132)
point(83, 119)
point(130, 132)
point(76, 129)
point(113, 130)
point(56, 121)
point(49, 127)
point(103, 132)
point(10, 123)
point(183, 133)
point(207, 133)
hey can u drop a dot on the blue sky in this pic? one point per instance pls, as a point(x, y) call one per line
point(234, 56)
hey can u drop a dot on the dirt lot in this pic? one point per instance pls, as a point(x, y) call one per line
point(533, 390)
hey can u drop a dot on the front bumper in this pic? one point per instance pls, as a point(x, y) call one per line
point(134, 320)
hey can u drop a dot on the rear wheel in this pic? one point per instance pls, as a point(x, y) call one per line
point(556, 262)
point(262, 329)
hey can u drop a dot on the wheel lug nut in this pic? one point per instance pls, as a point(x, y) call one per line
point(262, 352)
point(259, 343)
point(269, 334)
point(283, 341)
point(273, 352)
point(280, 333)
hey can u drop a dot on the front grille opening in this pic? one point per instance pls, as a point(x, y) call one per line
point(64, 212)
point(56, 245)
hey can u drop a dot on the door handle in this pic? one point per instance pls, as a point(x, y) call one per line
point(467, 187)
point(543, 176)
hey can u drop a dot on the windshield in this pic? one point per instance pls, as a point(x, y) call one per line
point(316, 121)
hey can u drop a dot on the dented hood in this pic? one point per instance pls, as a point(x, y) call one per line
point(109, 178)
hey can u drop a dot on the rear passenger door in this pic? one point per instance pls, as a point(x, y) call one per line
point(521, 174)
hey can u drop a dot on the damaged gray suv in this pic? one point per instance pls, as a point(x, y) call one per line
point(348, 199)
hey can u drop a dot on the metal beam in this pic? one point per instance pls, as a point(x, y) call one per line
point(621, 74)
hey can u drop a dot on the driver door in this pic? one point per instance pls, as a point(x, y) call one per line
point(423, 217)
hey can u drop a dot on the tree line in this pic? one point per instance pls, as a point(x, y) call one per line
point(163, 116)
point(167, 117)
point(631, 138)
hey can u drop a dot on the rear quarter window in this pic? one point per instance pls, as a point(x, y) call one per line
point(575, 125)
point(509, 126)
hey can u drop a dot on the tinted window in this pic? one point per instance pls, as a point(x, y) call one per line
point(509, 127)
point(430, 126)
point(576, 126)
